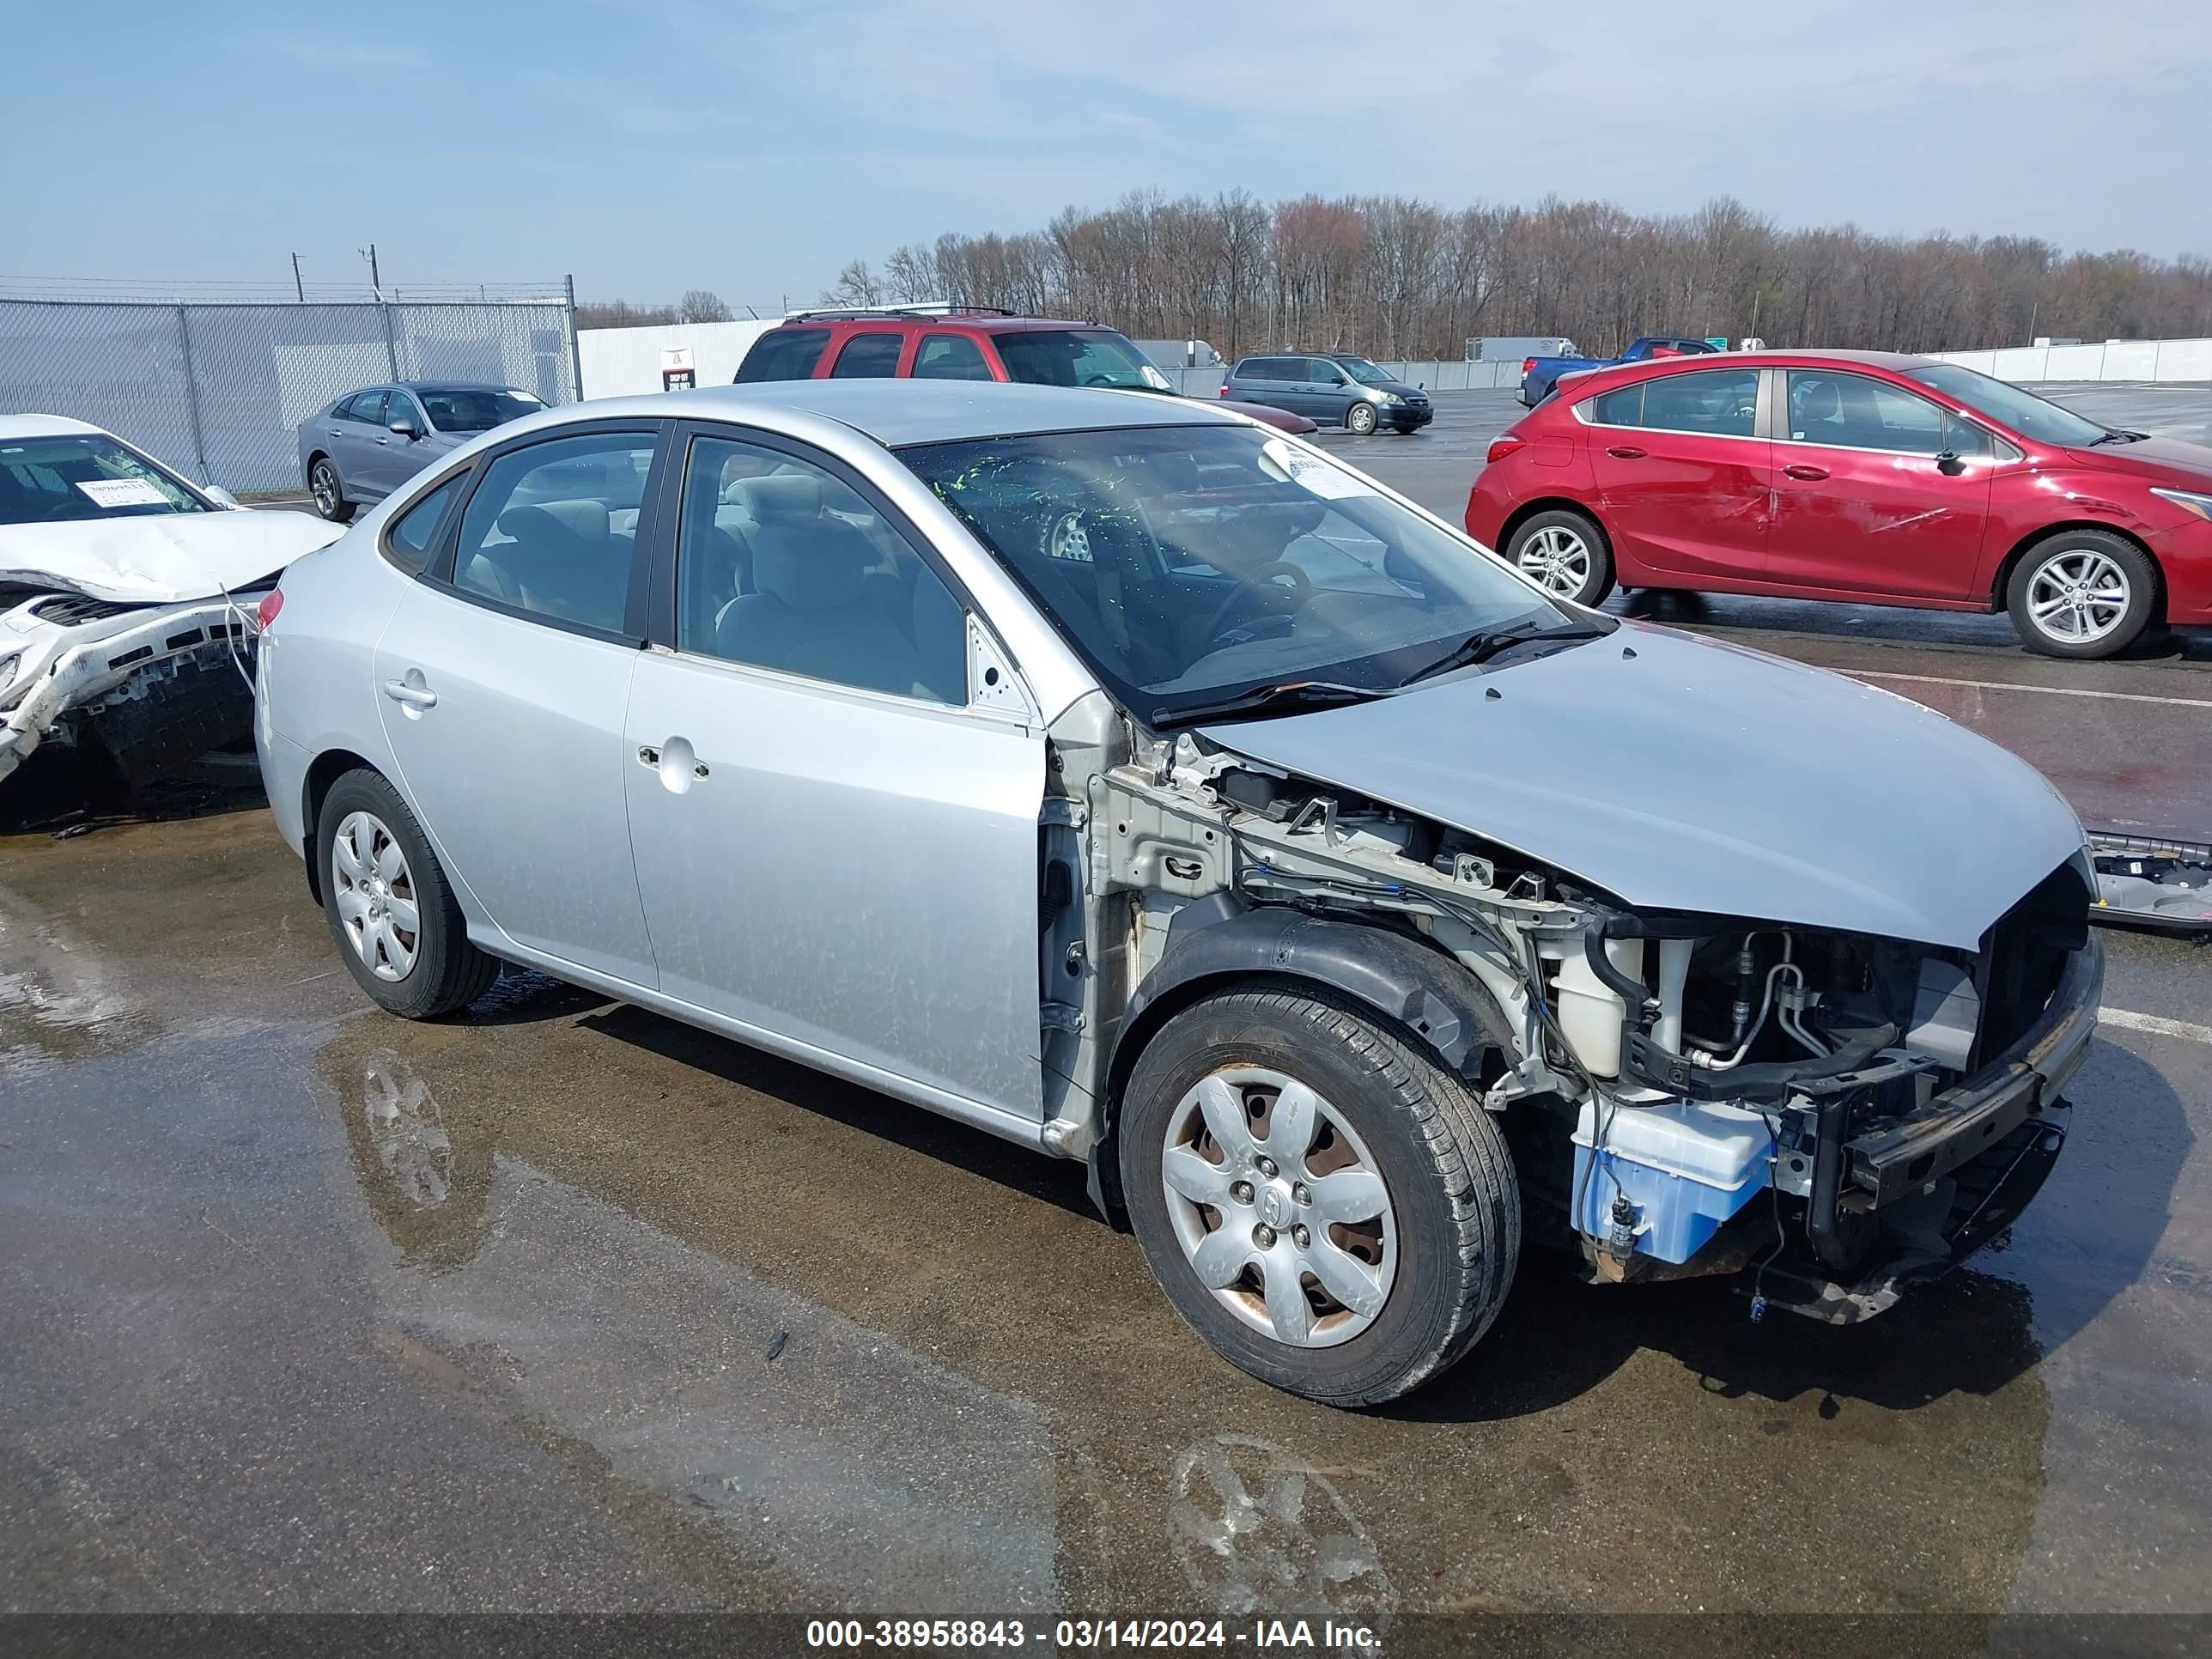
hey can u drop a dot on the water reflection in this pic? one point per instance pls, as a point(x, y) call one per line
point(1258, 1530)
point(59, 999)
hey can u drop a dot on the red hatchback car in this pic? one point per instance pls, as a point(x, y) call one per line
point(1865, 476)
point(937, 342)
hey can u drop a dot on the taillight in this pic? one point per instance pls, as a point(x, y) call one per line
point(265, 612)
point(1528, 363)
point(1501, 448)
point(1225, 389)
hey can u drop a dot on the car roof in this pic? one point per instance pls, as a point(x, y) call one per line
point(1584, 382)
point(896, 412)
point(936, 322)
point(453, 386)
point(42, 426)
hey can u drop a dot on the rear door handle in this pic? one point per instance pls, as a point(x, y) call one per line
point(1810, 474)
point(415, 697)
point(1625, 452)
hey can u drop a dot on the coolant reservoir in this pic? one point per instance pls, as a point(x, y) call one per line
point(1590, 1013)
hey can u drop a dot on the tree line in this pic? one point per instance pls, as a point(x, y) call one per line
point(1393, 276)
point(698, 305)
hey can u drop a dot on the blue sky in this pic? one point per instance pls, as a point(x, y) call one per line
point(752, 148)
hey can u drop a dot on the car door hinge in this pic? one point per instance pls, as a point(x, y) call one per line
point(1068, 814)
point(1061, 1017)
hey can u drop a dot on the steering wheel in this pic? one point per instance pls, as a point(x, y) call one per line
point(1258, 585)
point(1097, 380)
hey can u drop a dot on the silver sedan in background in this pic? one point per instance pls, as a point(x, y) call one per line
point(1130, 780)
point(359, 447)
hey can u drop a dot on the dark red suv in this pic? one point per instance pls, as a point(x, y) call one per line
point(964, 343)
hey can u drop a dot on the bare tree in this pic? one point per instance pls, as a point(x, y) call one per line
point(856, 285)
point(700, 305)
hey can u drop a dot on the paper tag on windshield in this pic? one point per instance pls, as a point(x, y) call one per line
point(1314, 475)
point(125, 492)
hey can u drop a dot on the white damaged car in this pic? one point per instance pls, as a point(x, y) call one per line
point(127, 599)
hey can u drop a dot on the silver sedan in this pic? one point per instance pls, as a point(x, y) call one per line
point(1133, 781)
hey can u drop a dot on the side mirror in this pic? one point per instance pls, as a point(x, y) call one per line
point(404, 429)
point(220, 497)
point(1949, 464)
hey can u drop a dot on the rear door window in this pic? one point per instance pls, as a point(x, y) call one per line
point(869, 357)
point(414, 534)
point(783, 354)
point(552, 528)
point(1721, 402)
point(950, 357)
point(367, 406)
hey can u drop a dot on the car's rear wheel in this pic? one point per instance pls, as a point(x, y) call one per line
point(398, 928)
point(1564, 553)
point(328, 490)
point(2083, 593)
point(1332, 1211)
point(1360, 419)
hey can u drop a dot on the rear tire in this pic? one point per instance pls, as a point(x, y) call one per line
point(1359, 420)
point(1429, 1267)
point(1566, 553)
point(391, 911)
point(328, 490)
point(2083, 593)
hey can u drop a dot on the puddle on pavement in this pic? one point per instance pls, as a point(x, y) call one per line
point(59, 1000)
point(980, 1395)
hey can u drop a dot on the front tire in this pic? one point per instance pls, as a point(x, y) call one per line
point(328, 491)
point(1566, 553)
point(1359, 420)
point(2083, 593)
point(1331, 1210)
point(399, 928)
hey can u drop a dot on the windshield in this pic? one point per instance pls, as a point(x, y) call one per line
point(89, 476)
point(1069, 357)
point(1189, 563)
point(2009, 406)
point(475, 408)
point(1364, 372)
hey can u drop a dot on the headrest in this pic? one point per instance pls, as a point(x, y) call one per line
point(584, 521)
point(822, 566)
point(1822, 403)
point(777, 495)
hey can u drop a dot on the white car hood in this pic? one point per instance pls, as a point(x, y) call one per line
point(1686, 774)
point(163, 559)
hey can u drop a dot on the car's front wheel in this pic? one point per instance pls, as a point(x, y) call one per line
point(1332, 1211)
point(1564, 552)
point(328, 490)
point(398, 928)
point(1360, 419)
point(2083, 593)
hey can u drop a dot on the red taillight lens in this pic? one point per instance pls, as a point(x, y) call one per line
point(1528, 363)
point(265, 612)
point(1501, 448)
point(1223, 393)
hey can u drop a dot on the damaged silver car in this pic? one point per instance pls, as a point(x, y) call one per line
point(1136, 783)
point(126, 596)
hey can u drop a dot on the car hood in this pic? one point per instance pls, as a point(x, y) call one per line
point(1684, 774)
point(165, 559)
point(2161, 460)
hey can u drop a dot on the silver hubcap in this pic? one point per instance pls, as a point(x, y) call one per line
point(375, 896)
point(325, 487)
point(1362, 418)
point(1279, 1207)
point(2078, 596)
point(1558, 559)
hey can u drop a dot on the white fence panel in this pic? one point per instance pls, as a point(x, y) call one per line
point(2185, 360)
point(2022, 363)
point(2074, 362)
point(2129, 360)
point(620, 361)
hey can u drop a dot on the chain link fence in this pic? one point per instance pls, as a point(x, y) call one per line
point(218, 390)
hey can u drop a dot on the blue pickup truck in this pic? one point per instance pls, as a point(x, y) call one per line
point(1539, 374)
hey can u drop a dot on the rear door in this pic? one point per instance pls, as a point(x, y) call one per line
point(1877, 490)
point(1682, 477)
point(837, 843)
point(503, 677)
point(869, 354)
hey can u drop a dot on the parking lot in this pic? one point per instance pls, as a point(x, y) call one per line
point(565, 1306)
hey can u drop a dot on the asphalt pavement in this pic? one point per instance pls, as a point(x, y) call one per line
point(563, 1307)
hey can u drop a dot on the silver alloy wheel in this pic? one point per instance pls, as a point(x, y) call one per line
point(2079, 595)
point(1279, 1207)
point(322, 485)
point(375, 896)
point(1558, 559)
point(1361, 419)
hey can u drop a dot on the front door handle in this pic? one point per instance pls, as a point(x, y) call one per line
point(1810, 474)
point(1625, 452)
point(415, 697)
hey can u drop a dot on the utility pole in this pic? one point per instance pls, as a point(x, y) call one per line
point(298, 287)
point(375, 284)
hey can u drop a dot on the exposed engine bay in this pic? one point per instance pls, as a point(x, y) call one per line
point(1684, 1094)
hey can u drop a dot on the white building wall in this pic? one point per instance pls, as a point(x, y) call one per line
point(620, 361)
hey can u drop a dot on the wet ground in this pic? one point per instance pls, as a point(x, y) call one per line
point(563, 1306)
